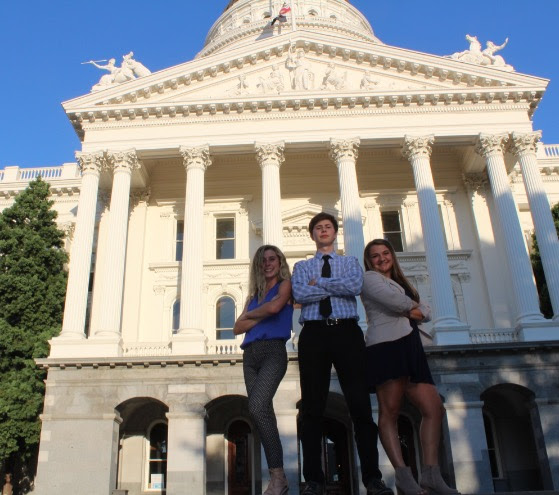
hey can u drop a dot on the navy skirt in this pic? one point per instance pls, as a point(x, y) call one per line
point(400, 358)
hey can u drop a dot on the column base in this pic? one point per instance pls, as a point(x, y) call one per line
point(87, 348)
point(451, 335)
point(538, 332)
point(189, 343)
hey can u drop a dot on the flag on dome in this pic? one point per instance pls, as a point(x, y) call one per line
point(281, 16)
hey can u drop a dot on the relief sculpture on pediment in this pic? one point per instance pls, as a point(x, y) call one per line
point(334, 78)
point(273, 83)
point(301, 76)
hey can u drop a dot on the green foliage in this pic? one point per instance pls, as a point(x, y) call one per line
point(545, 301)
point(32, 289)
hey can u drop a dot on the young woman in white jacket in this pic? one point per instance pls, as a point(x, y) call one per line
point(397, 366)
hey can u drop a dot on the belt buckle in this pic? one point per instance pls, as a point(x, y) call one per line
point(330, 322)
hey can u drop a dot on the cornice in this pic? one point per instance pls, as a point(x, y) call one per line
point(58, 193)
point(445, 353)
point(328, 106)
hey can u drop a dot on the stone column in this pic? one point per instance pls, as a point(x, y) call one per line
point(468, 446)
point(270, 158)
point(492, 147)
point(344, 153)
point(112, 282)
point(476, 185)
point(446, 325)
point(190, 338)
point(523, 146)
point(186, 458)
point(547, 409)
point(73, 326)
point(285, 405)
point(88, 443)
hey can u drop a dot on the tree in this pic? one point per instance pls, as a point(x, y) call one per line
point(32, 290)
point(545, 301)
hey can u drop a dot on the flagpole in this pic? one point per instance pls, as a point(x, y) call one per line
point(293, 24)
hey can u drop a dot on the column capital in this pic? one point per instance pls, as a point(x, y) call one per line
point(90, 163)
point(521, 144)
point(123, 161)
point(270, 153)
point(344, 148)
point(418, 146)
point(140, 196)
point(476, 182)
point(196, 157)
point(491, 144)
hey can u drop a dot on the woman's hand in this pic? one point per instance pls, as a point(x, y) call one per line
point(416, 314)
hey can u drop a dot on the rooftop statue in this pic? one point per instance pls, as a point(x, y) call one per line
point(475, 55)
point(128, 70)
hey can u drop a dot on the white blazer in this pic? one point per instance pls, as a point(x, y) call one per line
point(387, 305)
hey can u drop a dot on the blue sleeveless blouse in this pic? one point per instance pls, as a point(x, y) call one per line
point(277, 326)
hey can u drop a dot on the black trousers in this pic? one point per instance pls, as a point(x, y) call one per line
point(320, 347)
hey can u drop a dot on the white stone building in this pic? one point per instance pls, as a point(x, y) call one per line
point(185, 172)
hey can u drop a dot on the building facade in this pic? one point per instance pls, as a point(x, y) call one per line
point(184, 173)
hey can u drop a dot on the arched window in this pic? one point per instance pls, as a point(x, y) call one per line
point(224, 318)
point(157, 457)
point(176, 315)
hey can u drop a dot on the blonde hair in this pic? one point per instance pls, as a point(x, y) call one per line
point(257, 282)
point(396, 272)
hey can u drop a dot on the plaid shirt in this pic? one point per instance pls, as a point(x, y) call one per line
point(344, 285)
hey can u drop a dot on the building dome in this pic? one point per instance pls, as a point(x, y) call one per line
point(246, 21)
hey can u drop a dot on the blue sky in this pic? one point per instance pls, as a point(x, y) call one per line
point(44, 42)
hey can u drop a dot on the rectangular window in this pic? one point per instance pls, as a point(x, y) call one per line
point(179, 240)
point(225, 238)
point(392, 229)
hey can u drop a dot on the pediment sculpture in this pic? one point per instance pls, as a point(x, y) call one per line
point(129, 69)
point(475, 55)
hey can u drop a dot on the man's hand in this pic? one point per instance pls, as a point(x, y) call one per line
point(312, 282)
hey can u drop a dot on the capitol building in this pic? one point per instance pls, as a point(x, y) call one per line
point(183, 173)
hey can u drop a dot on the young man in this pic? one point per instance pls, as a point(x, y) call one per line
point(326, 286)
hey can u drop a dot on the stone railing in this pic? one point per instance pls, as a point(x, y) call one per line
point(62, 172)
point(551, 150)
point(233, 346)
point(224, 347)
point(147, 349)
point(493, 336)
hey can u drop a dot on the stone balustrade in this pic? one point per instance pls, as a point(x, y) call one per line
point(19, 174)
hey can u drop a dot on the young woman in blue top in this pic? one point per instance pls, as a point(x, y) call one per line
point(266, 322)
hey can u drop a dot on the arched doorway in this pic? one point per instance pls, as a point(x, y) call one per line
point(239, 458)
point(338, 461)
point(512, 426)
point(408, 443)
point(142, 457)
point(233, 453)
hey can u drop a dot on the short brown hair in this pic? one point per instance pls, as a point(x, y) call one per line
point(322, 216)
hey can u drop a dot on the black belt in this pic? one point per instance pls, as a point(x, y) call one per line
point(330, 322)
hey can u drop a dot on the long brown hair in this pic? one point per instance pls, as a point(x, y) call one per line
point(396, 272)
point(257, 282)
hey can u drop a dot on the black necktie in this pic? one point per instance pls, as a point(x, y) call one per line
point(325, 306)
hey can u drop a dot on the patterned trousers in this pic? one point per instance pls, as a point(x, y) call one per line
point(264, 366)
